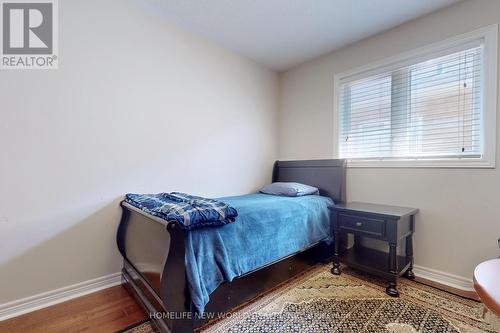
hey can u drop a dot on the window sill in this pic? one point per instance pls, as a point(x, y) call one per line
point(428, 163)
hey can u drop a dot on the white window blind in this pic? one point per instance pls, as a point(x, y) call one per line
point(428, 109)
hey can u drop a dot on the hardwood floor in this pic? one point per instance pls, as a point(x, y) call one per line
point(108, 310)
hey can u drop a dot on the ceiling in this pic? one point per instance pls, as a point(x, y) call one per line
point(280, 34)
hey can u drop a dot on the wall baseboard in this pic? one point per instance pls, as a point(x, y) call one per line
point(448, 282)
point(444, 278)
point(36, 302)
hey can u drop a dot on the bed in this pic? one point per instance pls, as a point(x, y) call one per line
point(184, 278)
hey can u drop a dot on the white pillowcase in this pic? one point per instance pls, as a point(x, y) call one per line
point(289, 189)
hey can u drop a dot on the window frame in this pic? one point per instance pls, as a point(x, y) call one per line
point(489, 36)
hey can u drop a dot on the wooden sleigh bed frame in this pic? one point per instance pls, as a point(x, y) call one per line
point(154, 265)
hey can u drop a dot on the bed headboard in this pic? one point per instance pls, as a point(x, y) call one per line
point(327, 175)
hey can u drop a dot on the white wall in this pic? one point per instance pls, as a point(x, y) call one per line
point(459, 221)
point(137, 105)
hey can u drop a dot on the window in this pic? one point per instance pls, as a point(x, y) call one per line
point(433, 107)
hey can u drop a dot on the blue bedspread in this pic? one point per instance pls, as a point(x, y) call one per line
point(267, 228)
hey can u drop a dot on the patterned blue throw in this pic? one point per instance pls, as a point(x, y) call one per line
point(189, 211)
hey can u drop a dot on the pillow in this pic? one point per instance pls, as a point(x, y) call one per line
point(289, 189)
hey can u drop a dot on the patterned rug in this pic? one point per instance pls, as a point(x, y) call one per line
point(318, 301)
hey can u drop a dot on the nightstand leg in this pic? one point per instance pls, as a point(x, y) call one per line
point(336, 260)
point(409, 254)
point(393, 269)
point(391, 290)
point(409, 251)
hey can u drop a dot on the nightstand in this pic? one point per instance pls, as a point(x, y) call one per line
point(390, 224)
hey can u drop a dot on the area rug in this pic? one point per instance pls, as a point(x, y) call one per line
point(318, 301)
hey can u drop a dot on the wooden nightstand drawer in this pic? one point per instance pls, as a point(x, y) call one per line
point(362, 225)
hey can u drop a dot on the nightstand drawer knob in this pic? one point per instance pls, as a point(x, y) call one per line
point(359, 224)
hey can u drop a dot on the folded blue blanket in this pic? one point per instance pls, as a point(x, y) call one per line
point(190, 211)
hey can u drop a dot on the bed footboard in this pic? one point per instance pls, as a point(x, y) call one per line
point(154, 268)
